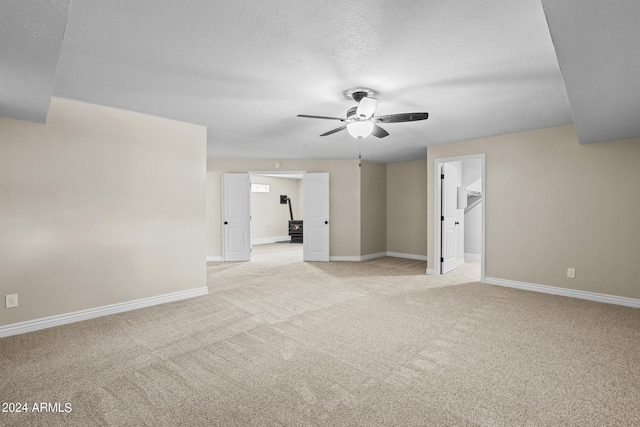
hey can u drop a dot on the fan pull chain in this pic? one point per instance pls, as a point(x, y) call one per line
point(360, 152)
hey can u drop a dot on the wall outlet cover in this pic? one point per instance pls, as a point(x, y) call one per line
point(11, 300)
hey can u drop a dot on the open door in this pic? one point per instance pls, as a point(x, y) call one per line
point(316, 216)
point(236, 217)
point(449, 177)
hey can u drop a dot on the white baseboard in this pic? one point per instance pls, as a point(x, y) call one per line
point(378, 255)
point(407, 256)
point(268, 240)
point(63, 319)
point(431, 271)
point(472, 257)
point(214, 258)
point(345, 258)
point(591, 296)
point(460, 262)
point(372, 256)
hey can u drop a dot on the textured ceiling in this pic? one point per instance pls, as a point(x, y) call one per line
point(479, 68)
point(597, 44)
point(31, 35)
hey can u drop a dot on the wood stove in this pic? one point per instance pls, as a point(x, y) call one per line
point(295, 225)
point(295, 231)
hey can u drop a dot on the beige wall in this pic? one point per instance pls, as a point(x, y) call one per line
point(375, 203)
point(407, 207)
point(99, 206)
point(373, 199)
point(344, 198)
point(268, 217)
point(552, 203)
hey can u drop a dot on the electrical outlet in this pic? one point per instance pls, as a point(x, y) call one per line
point(11, 300)
point(571, 273)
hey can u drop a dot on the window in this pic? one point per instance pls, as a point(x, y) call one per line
point(259, 188)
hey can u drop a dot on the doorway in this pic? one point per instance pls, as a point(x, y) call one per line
point(276, 215)
point(459, 213)
point(259, 208)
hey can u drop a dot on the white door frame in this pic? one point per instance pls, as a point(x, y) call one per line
point(437, 211)
point(277, 172)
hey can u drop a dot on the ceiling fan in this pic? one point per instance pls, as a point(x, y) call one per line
point(360, 121)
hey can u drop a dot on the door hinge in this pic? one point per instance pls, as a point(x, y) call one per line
point(442, 218)
point(442, 176)
point(441, 259)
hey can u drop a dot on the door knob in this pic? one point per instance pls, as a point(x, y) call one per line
point(225, 223)
point(326, 222)
point(457, 223)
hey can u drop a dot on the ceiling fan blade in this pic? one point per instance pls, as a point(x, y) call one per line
point(320, 117)
point(334, 130)
point(379, 132)
point(366, 107)
point(402, 117)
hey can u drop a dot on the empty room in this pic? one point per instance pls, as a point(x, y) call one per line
point(282, 213)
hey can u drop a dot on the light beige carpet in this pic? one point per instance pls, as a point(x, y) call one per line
point(376, 343)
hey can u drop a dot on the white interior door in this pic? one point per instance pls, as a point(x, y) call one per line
point(236, 216)
point(449, 180)
point(315, 229)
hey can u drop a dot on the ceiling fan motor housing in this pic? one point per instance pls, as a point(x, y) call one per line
point(358, 95)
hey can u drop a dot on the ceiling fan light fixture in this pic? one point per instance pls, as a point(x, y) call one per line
point(360, 129)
